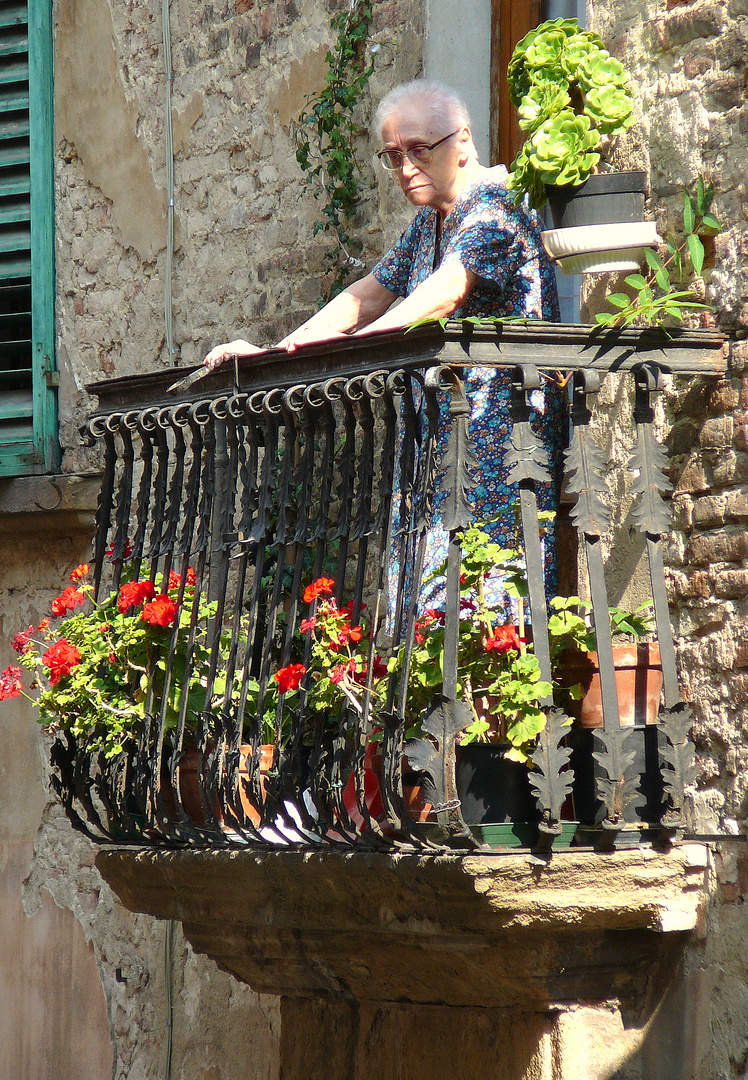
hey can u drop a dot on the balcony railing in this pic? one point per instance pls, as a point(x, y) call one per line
point(335, 463)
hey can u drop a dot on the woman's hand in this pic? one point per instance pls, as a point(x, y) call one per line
point(232, 349)
point(305, 336)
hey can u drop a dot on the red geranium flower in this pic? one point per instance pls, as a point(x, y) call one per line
point(61, 658)
point(348, 608)
point(308, 625)
point(43, 626)
point(80, 572)
point(21, 641)
point(380, 668)
point(345, 634)
point(175, 579)
point(10, 683)
point(340, 673)
point(68, 599)
point(160, 612)
point(288, 678)
point(321, 587)
point(133, 593)
point(505, 639)
point(126, 554)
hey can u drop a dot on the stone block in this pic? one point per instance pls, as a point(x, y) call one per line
point(709, 511)
point(682, 511)
point(725, 546)
point(737, 505)
point(697, 63)
point(731, 584)
point(727, 468)
point(464, 931)
point(691, 479)
point(723, 94)
point(683, 27)
point(725, 396)
point(716, 433)
point(697, 584)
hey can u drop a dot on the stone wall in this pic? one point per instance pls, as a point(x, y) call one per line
point(690, 67)
point(689, 63)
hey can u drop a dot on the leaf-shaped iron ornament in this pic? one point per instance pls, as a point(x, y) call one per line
point(524, 457)
point(585, 465)
point(436, 756)
point(459, 459)
point(585, 462)
point(550, 781)
point(679, 754)
point(650, 513)
point(618, 791)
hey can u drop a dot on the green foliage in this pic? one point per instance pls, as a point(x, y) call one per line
point(569, 625)
point(328, 132)
point(660, 297)
point(569, 91)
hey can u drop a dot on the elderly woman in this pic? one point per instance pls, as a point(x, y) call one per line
point(469, 251)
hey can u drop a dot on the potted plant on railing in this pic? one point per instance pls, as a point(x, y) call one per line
point(574, 100)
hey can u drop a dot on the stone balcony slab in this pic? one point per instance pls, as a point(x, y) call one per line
point(494, 930)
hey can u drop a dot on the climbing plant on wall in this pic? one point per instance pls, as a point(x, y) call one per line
point(327, 136)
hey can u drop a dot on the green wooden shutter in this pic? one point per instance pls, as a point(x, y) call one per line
point(28, 419)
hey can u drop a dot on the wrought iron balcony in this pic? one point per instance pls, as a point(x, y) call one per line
point(335, 462)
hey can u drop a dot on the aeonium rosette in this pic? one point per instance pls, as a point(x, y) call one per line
point(99, 668)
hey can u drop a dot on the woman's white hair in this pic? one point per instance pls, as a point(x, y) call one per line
point(436, 102)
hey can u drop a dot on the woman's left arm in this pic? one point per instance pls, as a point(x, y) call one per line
point(439, 296)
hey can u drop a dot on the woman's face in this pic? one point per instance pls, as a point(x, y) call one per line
point(435, 184)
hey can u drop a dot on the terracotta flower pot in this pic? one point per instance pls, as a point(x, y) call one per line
point(638, 673)
point(189, 785)
point(417, 809)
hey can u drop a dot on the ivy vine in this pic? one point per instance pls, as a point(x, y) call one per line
point(327, 136)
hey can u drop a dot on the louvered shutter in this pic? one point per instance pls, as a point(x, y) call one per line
point(27, 401)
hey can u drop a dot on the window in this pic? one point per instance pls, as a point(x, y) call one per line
point(28, 406)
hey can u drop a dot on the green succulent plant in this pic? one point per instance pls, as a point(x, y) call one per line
point(564, 149)
point(569, 91)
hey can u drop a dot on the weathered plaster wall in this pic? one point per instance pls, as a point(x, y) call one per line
point(83, 982)
point(246, 261)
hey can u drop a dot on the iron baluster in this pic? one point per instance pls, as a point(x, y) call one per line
point(585, 467)
point(100, 429)
point(526, 462)
point(651, 515)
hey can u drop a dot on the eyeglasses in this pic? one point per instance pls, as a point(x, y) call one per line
point(392, 160)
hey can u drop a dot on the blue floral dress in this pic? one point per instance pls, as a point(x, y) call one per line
point(499, 243)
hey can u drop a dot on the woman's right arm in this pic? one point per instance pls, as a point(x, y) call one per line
point(360, 304)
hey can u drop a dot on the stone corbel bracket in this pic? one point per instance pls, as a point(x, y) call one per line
point(488, 930)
